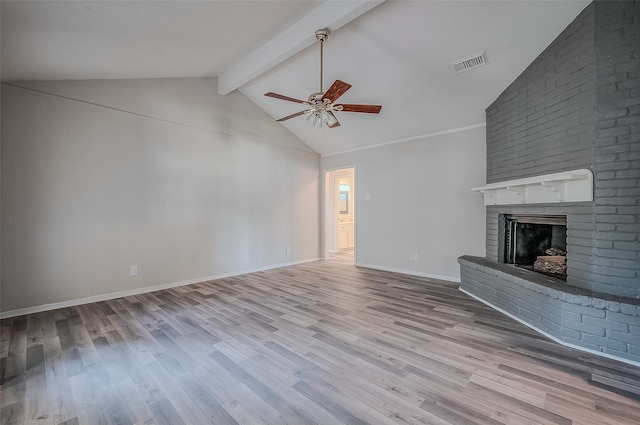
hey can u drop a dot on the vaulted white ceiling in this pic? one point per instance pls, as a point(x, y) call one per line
point(395, 53)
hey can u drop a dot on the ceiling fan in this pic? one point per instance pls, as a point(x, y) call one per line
point(322, 104)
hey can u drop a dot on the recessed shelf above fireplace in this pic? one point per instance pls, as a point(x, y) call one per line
point(568, 186)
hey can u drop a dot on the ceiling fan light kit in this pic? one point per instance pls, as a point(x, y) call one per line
point(322, 104)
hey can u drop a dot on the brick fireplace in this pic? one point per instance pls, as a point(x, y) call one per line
point(576, 107)
point(535, 242)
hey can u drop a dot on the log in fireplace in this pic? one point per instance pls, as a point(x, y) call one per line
point(536, 242)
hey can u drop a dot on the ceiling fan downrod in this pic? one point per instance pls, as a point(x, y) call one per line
point(322, 35)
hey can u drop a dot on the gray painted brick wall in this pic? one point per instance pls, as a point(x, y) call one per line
point(617, 148)
point(578, 106)
point(543, 122)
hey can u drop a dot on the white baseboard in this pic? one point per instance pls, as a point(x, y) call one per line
point(138, 291)
point(559, 341)
point(410, 272)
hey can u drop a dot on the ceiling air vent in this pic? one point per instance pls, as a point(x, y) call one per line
point(470, 62)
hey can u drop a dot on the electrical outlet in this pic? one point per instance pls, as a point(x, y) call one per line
point(133, 270)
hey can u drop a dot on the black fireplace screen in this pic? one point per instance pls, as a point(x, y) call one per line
point(528, 237)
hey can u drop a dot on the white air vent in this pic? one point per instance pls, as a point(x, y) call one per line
point(470, 62)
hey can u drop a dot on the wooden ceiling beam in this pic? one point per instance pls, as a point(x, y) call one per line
point(331, 14)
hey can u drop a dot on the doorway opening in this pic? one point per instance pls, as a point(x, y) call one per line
point(339, 215)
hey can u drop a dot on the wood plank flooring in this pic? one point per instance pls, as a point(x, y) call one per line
point(318, 343)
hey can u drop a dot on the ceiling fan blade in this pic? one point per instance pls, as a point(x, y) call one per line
point(368, 109)
point(297, 114)
point(336, 123)
point(337, 89)
point(283, 97)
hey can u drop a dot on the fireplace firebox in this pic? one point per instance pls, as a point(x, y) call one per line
point(536, 242)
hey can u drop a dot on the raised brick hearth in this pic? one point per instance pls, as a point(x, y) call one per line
point(577, 106)
point(604, 323)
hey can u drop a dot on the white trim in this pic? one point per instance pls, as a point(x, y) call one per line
point(410, 272)
point(138, 291)
point(559, 341)
point(408, 139)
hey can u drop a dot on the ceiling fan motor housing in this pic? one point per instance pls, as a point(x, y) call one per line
point(315, 96)
point(317, 102)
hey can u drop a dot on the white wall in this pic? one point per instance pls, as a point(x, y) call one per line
point(163, 174)
point(420, 202)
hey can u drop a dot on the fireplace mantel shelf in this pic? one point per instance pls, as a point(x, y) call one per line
point(568, 186)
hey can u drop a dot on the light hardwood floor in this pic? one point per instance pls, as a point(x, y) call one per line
point(343, 257)
point(318, 343)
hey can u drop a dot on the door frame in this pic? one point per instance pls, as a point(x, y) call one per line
point(328, 219)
